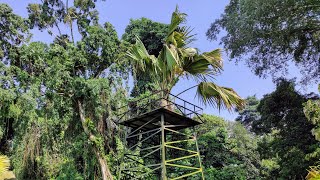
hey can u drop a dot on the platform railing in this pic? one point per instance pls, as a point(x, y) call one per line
point(153, 101)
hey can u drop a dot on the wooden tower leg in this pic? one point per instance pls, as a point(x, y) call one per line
point(201, 168)
point(163, 150)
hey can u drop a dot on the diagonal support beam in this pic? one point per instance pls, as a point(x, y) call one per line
point(182, 166)
point(173, 147)
point(178, 132)
point(180, 158)
point(144, 125)
point(180, 141)
point(145, 139)
point(146, 132)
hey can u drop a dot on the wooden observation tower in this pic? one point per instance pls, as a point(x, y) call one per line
point(159, 139)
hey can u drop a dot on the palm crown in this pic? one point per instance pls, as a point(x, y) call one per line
point(177, 60)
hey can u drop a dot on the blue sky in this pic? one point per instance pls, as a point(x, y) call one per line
point(200, 15)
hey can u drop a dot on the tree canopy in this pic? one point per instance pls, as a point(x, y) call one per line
point(152, 35)
point(269, 35)
point(59, 98)
point(287, 146)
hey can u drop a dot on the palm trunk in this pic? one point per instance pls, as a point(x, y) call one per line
point(166, 104)
point(106, 174)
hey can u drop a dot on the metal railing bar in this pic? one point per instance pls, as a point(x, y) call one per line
point(180, 109)
point(178, 132)
point(155, 92)
point(139, 107)
point(185, 101)
point(151, 152)
point(174, 126)
point(150, 148)
point(144, 107)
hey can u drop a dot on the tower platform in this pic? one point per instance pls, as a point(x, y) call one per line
point(176, 120)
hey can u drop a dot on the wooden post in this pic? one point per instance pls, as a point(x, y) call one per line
point(163, 150)
point(195, 137)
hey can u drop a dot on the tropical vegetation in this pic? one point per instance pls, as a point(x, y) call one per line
point(60, 95)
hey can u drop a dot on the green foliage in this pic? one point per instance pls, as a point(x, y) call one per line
point(269, 167)
point(269, 34)
point(312, 112)
point(152, 34)
point(249, 114)
point(226, 173)
point(42, 83)
point(58, 99)
point(287, 144)
point(14, 31)
point(229, 150)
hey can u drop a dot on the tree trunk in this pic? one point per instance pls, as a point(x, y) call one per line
point(106, 174)
point(167, 104)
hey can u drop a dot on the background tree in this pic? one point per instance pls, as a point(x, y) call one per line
point(152, 34)
point(312, 112)
point(270, 34)
point(14, 32)
point(292, 142)
point(249, 114)
point(229, 150)
point(59, 97)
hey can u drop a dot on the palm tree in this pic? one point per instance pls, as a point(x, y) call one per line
point(177, 60)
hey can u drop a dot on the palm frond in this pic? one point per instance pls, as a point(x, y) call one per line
point(196, 67)
point(178, 35)
point(141, 58)
point(176, 19)
point(313, 173)
point(4, 164)
point(188, 37)
point(220, 97)
point(214, 58)
point(171, 56)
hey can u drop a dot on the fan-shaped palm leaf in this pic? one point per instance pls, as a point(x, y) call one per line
point(176, 19)
point(313, 173)
point(217, 96)
point(4, 164)
point(142, 60)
